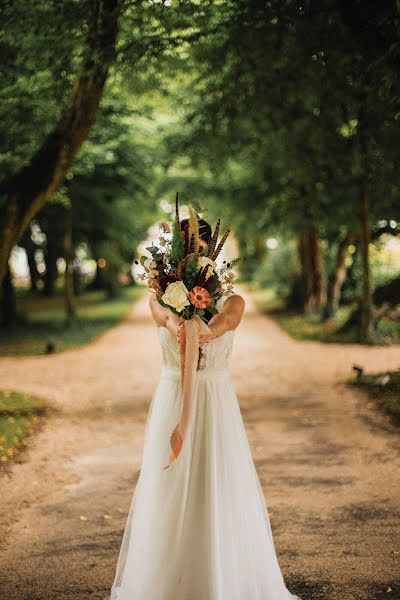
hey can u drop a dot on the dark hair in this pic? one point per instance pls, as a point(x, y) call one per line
point(205, 232)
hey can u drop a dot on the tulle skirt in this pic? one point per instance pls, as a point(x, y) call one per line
point(198, 530)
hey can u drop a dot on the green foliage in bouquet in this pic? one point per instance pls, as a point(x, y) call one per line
point(192, 268)
point(155, 254)
point(184, 279)
point(229, 265)
point(177, 244)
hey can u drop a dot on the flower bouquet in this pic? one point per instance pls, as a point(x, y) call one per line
point(183, 273)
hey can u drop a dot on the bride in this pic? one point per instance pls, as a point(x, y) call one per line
point(199, 529)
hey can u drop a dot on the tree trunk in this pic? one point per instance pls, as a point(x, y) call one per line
point(51, 255)
point(98, 282)
point(260, 248)
point(338, 277)
point(339, 274)
point(29, 189)
point(69, 291)
point(365, 299)
point(312, 270)
point(8, 302)
point(34, 275)
point(365, 303)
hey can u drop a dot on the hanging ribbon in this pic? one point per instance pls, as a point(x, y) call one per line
point(189, 356)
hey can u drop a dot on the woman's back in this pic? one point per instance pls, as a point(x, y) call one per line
point(214, 355)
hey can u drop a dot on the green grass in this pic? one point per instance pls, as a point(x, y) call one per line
point(19, 415)
point(385, 389)
point(312, 327)
point(44, 321)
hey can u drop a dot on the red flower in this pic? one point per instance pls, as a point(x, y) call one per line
point(199, 297)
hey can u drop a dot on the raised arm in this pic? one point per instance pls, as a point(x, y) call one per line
point(163, 316)
point(227, 319)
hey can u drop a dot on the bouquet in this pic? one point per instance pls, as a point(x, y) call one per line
point(183, 274)
point(185, 278)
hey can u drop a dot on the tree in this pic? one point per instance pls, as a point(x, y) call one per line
point(304, 81)
point(26, 191)
point(151, 35)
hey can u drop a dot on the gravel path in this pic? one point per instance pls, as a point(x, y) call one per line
point(328, 462)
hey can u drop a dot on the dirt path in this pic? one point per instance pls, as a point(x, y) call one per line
point(328, 462)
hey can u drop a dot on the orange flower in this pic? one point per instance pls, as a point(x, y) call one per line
point(199, 297)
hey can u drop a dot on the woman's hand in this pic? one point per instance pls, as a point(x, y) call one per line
point(172, 323)
point(203, 337)
point(165, 317)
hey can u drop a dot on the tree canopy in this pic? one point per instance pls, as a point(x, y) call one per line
point(282, 115)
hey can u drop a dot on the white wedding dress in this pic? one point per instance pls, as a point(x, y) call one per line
point(198, 530)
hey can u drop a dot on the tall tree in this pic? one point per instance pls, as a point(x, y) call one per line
point(317, 84)
point(26, 191)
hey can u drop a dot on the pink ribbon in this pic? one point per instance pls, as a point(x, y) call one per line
point(189, 354)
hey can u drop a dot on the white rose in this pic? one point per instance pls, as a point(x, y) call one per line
point(176, 295)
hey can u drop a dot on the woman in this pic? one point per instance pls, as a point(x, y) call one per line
point(198, 530)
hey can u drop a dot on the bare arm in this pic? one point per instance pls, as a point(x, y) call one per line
point(163, 316)
point(227, 319)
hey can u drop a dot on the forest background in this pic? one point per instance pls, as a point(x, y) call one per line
point(280, 117)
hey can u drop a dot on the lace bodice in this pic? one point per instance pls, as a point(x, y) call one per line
point(214, 355)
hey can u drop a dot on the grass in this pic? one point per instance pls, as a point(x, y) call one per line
point(20, 414)
point(385, 389)
point(44, 321)
point(311, 327)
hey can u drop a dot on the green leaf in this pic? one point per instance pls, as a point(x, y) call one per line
point(177, 245)
point(191, 271)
